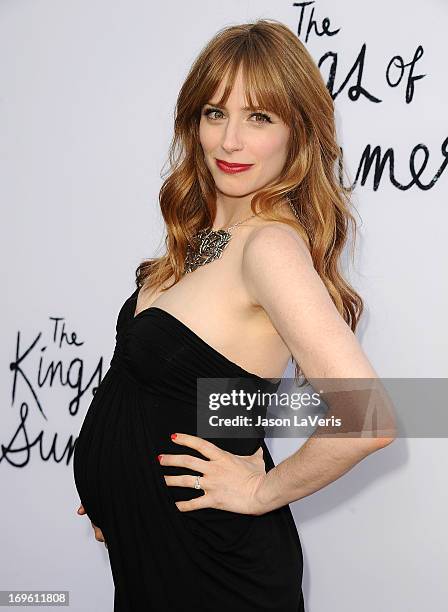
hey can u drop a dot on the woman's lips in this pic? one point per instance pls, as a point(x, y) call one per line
point(232, 168)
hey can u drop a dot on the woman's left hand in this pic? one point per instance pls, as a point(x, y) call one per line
point(229, 481)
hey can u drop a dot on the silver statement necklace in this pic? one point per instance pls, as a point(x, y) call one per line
point(209, 244)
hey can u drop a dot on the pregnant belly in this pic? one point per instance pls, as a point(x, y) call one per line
point(118, 477)
point(115, 458)
point(96, 449)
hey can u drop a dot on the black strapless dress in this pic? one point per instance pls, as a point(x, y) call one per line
point(163, 559)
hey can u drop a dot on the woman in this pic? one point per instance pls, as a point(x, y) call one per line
point(191, 521)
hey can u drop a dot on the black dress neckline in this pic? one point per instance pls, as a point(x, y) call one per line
point(165, 313)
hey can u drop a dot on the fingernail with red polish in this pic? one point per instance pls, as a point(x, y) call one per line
point(173, 436)
point(159, 457)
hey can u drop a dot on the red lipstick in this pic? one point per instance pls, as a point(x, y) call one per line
point(232, 168)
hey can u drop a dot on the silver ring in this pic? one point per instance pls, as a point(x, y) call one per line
point(196, 483)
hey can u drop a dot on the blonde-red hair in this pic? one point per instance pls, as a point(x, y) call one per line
point(279, 75)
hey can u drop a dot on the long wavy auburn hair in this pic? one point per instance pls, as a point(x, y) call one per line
point(279, 75)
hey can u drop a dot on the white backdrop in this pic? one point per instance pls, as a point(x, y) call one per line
point(87, 94)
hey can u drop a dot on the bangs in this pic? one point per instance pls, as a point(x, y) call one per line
point(263, 82)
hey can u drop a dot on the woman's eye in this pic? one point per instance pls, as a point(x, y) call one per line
point(210, 111)
point(264, 118)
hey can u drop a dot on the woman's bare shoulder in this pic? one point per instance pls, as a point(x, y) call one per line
point(275, 233)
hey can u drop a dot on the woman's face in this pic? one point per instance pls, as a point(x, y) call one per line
point(240, 136)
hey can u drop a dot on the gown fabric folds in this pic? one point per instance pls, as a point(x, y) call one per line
point(163, 559)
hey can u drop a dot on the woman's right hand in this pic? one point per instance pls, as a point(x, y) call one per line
point(98, 533)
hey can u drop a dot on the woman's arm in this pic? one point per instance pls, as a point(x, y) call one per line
point(280, 277)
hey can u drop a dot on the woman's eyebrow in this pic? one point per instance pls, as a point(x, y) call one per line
point(243, 108)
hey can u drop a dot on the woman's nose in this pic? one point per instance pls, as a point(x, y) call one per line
point(232, 136)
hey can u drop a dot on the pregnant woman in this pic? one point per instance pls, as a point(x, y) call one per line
point(256, 222)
